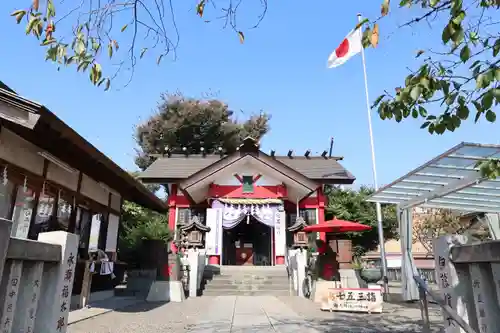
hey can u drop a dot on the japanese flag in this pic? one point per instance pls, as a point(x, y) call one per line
point(350, 46)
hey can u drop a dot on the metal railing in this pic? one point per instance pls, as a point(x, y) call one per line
point(424, 290)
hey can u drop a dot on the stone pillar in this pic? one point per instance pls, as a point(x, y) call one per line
point(454, 283)
point(5, 229)
point(55, 297)
point(301, 260)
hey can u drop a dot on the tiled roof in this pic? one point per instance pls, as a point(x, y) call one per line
point(178, 166)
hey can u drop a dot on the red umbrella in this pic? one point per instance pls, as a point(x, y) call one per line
point(336, 225)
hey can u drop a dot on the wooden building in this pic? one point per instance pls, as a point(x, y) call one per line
point(51, 179)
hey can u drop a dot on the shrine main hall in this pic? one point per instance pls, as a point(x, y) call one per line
point(249, 201)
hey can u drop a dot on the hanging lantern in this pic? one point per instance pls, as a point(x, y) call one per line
point(43, 189)
point(4, 176)
point(25, 184)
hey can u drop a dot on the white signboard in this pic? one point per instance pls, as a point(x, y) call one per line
point(112, 237)
point(94, 232)
point(353, 300)
point(279, 233)
point(213, 238)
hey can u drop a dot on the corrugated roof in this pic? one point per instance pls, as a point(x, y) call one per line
point(178, 166)
point(452, 180)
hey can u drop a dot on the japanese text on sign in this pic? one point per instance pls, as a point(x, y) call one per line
point(355, 300)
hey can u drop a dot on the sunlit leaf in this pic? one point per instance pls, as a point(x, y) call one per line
point(200, 8)
point(419, 53)
point(241, 36)
point(124, 27)
point(385, 7)
point(375, 36)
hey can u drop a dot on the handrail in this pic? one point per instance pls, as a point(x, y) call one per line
point(424, 289)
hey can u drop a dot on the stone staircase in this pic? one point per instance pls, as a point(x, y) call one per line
point(246, 281)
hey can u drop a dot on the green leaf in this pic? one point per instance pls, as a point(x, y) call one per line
point(487, 100)
point(31, 24)
point(377, 101)
point(95, 73)
point(422, 111)
point(18, 14)
point(465, 53)
point(110, 49)
point(458, 36)
point(415, 93)
point(108, 84)
point(478, 115)
point(463, 112)
point(414, 113)
point(491, 116)
point(481, 81)
point(478, 106)
point(496, 47)
point(459, 17)
point(474, 64)
point(124, 27)
point(424, 125)
point(446, 35)
point(497, 74)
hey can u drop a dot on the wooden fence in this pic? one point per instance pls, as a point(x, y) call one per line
point(36, 281)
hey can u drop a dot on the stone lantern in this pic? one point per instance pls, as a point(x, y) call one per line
point(192, 234)
point(300, 239)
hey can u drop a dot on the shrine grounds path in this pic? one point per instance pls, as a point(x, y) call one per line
point(253, 314)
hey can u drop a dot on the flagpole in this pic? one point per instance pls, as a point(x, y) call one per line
point(374, 171)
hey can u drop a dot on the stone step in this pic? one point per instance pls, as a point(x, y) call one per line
point(246, 286)
point(257, 279)
point(229, 292)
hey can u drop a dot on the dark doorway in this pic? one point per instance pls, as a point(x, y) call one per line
point(248, 243)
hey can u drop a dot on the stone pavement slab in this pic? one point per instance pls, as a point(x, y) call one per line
point(101, 307)
point(253, 314)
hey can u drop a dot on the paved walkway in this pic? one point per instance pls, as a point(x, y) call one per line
point(249, 314)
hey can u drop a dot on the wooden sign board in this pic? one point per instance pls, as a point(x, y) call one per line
point(353, 300)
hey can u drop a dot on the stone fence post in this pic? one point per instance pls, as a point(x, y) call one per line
point(57, 284)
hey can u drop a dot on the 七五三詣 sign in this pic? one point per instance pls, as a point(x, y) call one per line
point(354, 300)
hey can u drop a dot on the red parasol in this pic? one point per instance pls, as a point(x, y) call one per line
point(336, 225)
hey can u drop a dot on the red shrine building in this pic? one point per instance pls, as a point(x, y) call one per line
point(247, 202)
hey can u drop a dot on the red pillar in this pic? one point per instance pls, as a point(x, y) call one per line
point(171, 202)
point(321, 211)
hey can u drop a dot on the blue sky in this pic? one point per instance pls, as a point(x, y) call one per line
point(281, 68)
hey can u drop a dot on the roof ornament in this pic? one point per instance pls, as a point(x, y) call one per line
point(307, 153)
point(273, 152)
point(185, 151)
point(290, 153)
point(323, 154)
point(203, 152)
point(221, 152)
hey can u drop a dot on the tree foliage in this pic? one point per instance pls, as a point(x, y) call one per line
point(85, 34)
point(459, 79)
point(140, 224)
point(438, 222)
point(195, 125)
point(351, 205)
